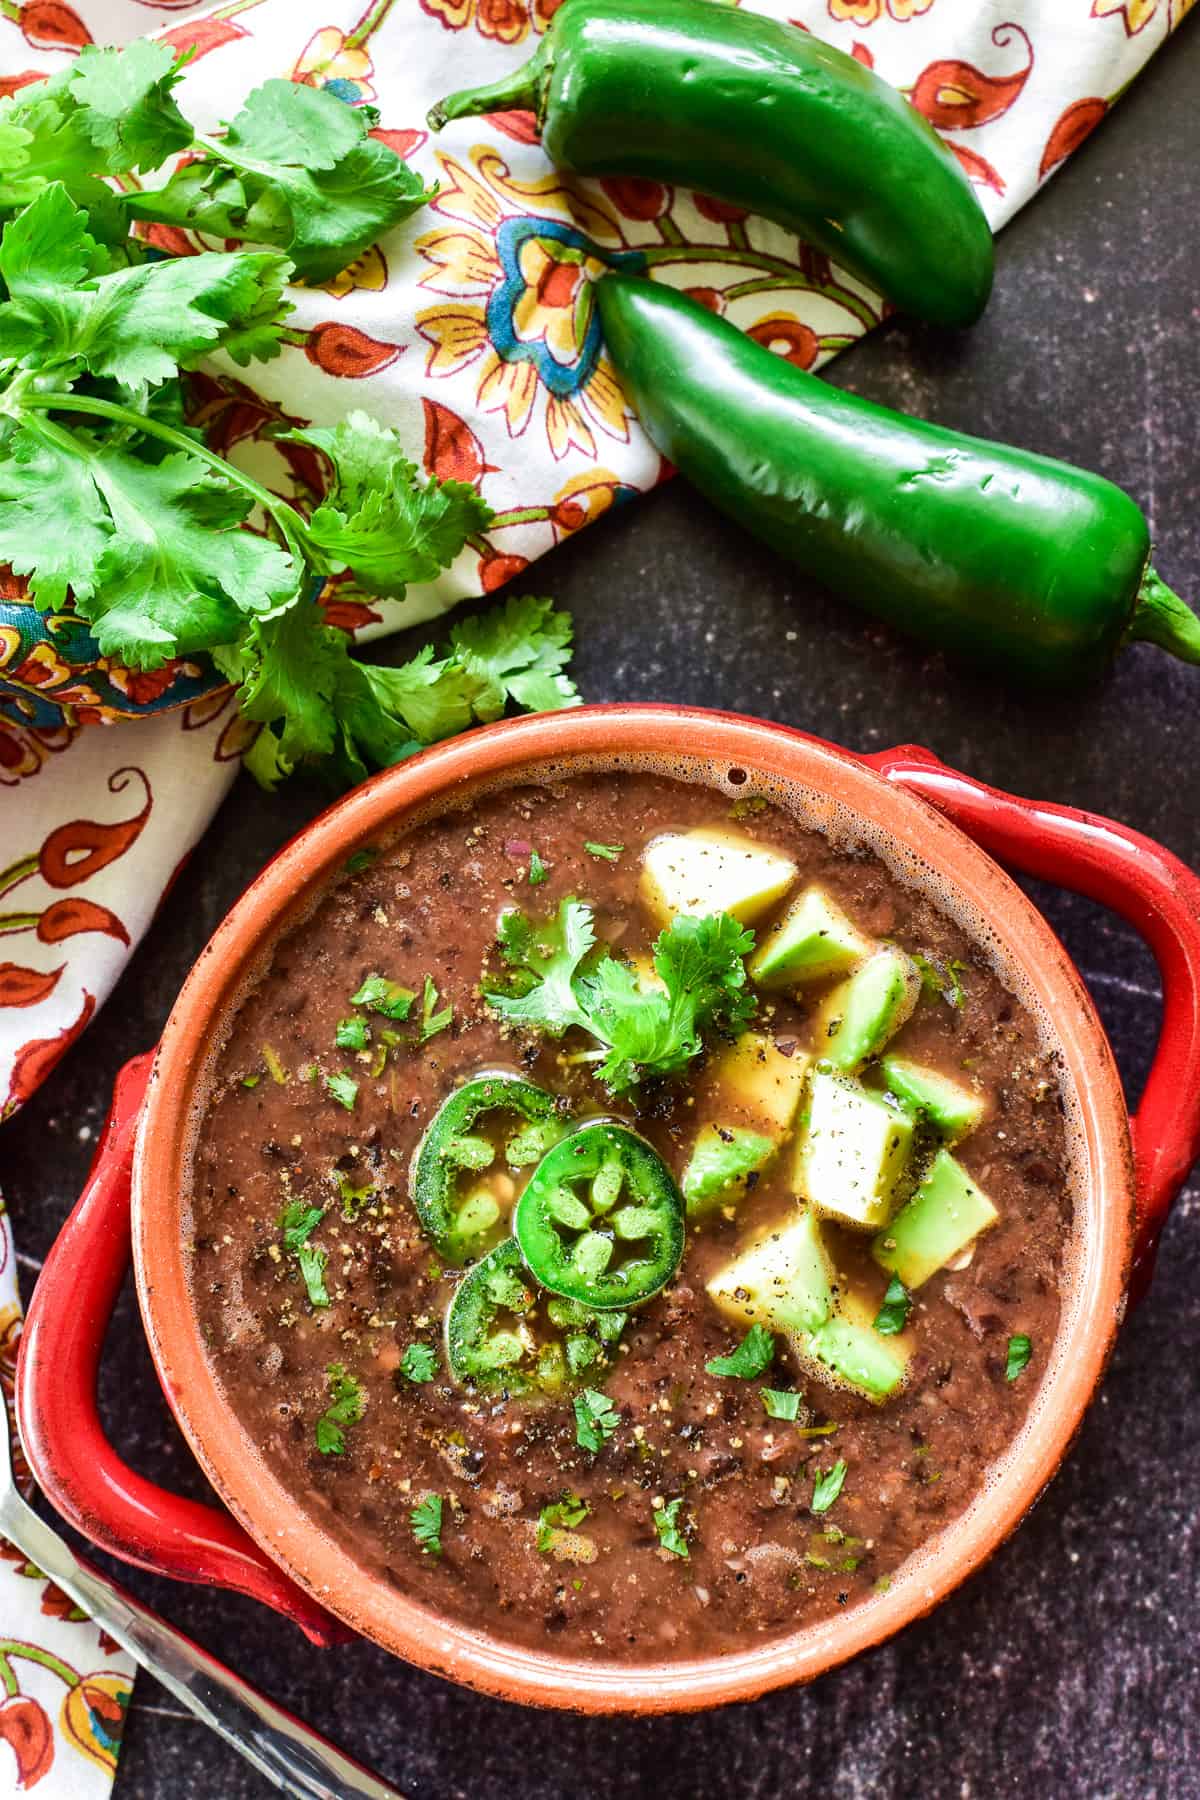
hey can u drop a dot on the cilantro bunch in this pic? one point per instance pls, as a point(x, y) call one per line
point(109, 500)
point(562, 981)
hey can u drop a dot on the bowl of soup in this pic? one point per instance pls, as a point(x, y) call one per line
point(630, 1208)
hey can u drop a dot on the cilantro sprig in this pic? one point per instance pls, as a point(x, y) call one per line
point(426, 1521)
point(755, 1353)
point(110, 501)
point(347, 1403)
point(596, 1419)
point(566, 981)
point(670, 1532)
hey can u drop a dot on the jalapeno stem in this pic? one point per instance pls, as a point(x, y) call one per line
point(519, 91)
point(1161, 617)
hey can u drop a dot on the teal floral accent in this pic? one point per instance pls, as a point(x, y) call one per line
point(543, 310)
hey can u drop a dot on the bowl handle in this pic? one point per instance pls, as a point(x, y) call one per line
point(1157, 894)
point(76, 1466)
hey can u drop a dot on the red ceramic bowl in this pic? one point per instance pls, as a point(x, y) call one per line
point(928, 821)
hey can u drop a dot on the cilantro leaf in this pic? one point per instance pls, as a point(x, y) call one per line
point(426, 1519)
point(595, 1419)
point(347, 1403)
point(296, 169)
point(312, 1260)
point(298, 1222)
point(893, 1314)
point(563, 1514)
point(552, 952)
point(827, 1487)
point(518, 652)
point(605, 852)
point(432, 1022)
point(418, 1363)
point(781, 1403)
point(537, 870)
point(1020, 1349)
point(384, 996)
point(344, 1089)
point(123, 100)
point(350, 1196)
point(42, 484)
point(755, 1353)
point(352, 1034)
point(379, 518)
point(644, 1032)
point(666, 1524)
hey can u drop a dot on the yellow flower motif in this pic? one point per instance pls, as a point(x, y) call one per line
point(516, 266)
point(328, 61)
point(1135, 15)
point(865, 12)
point(367, 271)
point(10, 642)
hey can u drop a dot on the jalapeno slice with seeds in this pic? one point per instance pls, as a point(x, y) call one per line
point(601, 1219)
point(503, 1335)
point(464, 1225)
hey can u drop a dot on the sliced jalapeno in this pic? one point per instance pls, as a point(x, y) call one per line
point(502, 1335)
point(601, 1219)
point(463, 1224)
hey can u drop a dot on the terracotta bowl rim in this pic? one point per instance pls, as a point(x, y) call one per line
point(329, 1572)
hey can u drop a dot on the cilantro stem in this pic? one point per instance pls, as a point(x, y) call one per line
point(289, 521)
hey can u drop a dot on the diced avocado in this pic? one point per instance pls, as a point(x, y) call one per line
point(947, 1212)
point(765, 1081)
point(782, 1278)
point(711, 871)
point(860, 1016)
point(812, 941)
point(950, 1107)
point(847, 1349)
point(722, 1158)
point(853, 1150)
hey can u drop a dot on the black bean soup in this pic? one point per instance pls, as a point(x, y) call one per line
point(628, 1222)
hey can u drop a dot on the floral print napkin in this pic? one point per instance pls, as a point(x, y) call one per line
point(472, 331)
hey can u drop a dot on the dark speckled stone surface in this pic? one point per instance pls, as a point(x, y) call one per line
point(1069, 1667)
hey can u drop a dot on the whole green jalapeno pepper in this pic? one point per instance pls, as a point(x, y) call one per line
point(463, 1227)
point(1028, 565)
point(766, 117)
point(601, 1219)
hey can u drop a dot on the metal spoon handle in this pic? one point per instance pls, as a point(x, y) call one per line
point(289, 1753)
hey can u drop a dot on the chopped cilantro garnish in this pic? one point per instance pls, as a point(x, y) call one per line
point(755, 1353)
point(426, 1518)
point(827, 1487)
point(312, 1260)
point(352, 1034)
point(1020, 1349)
point(595, 1419)
point(537, 870)
point(943, 979)
point(432, 1021)
point(418, 1363)
point(605, 852)
point(561, 1515)
point(251, 1081)
point(666, 1523)
point(360, 860)
point(383, 996)
point(347, 1403)
point(781, 1403)
point(388, 1040)
point(893, 1314)
point(298, 1222)
point(275, 1068)
point(644, 1032)
point(344, 1089)
point(747, 808)
point(350, 1196)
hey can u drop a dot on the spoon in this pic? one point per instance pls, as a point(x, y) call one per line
point(292, 1756)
